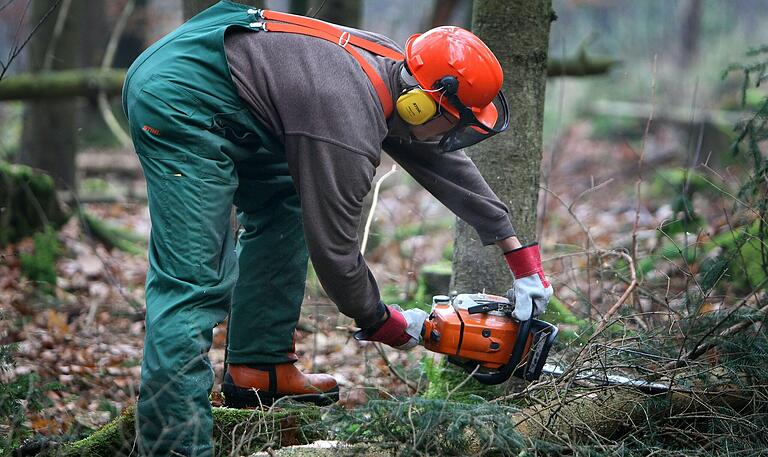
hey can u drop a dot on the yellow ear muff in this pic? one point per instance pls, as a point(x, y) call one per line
point(416, 107)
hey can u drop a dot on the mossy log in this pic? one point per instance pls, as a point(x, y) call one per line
point(84, 82)
point(580, 65)
point(112, 236)
point(589, 415)
point(28, 203)
point(236, 432)
point(87, 82)
point(436, 278)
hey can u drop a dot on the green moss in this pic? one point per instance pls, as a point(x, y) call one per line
point(28, 201)
point(40, 266)
point(112, 236)
point(612, 127)
point(558, 313)
point(240, 431)
point(403, 232)
point(444, 380)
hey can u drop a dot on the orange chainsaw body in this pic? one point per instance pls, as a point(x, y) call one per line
point(478, 333)
point(483, 337)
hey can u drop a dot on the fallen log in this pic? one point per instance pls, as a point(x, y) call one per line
point(88, 82)
point(580, 65)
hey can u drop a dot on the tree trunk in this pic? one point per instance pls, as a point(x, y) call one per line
point(443, 12)
point(48, 138)
point(517, 31)
point(690, 27)
point(300, 7)
point(133, 41)
point(446, 12)
point(192, 7)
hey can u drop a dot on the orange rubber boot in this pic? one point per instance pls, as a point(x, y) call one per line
point(261, 385)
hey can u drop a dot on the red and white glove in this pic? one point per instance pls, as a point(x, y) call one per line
point(401, 329)
point(531, 289)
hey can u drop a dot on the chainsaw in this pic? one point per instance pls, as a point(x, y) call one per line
point(478, 333)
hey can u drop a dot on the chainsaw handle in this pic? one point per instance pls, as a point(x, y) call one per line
point(483, 308)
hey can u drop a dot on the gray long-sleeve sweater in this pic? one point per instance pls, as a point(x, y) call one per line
point(315, 97)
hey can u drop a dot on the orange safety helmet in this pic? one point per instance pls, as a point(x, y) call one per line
point(458, 71)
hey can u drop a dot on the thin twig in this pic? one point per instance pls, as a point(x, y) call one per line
point(461, 384)
point(393, 370)
point(375, 200)
point(16, 50)
point(109, 55)
point(626, 293)
point(569, 208)
point(700, 348)
point(58, 28)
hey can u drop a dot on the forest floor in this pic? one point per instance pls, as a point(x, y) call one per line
point(87, 338)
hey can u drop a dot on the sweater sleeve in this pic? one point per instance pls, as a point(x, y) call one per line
point(332, 182)
point(455, 180)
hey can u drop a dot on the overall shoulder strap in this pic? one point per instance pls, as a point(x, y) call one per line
point(290, 23)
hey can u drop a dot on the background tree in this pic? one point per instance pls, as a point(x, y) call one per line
point(517, 31)
point(342, 12)
point(690, 28)
point(446, 12)
point(48, 139)
point(300, 7)
point(192, 7)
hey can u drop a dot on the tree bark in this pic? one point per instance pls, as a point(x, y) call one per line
point(517, 31)
point(48, 138)
point(443, 12)
point(300, 7)
point(690, 27)
point(192, 7)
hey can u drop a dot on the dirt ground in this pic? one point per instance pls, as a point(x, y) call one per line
point(87, 338)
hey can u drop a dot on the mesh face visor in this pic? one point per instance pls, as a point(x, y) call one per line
point(469, 130)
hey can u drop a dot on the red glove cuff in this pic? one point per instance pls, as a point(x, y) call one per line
point(526, 261)
point(390, 332)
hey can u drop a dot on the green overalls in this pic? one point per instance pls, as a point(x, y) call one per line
point(202, 151)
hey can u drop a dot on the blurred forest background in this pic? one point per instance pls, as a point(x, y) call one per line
point(651, 215)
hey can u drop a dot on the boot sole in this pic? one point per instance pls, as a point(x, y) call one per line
point(243, 397)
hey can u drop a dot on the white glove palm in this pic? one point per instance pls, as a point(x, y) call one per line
point(531, 290)
point(531, 297)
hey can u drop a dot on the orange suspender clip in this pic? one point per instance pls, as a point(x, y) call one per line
point(291, 23)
